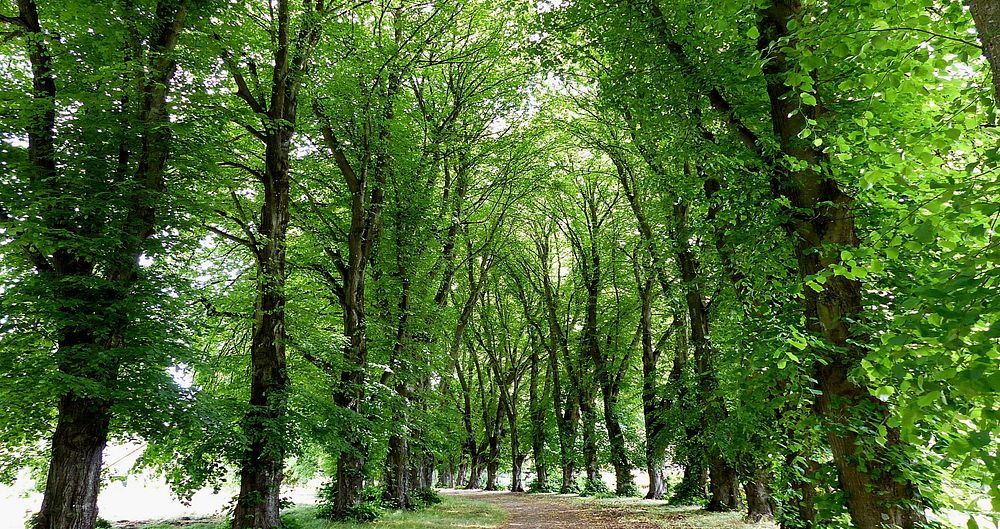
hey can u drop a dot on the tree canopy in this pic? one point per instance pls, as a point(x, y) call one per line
point(746, 250)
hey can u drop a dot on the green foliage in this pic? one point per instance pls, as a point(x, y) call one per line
point(595, 487)
point(425, 497)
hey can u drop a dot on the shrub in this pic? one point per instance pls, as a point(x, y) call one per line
point(595, 487)
point(425, 497)
point(536, 487)
point(365, 512)
point(368, 510)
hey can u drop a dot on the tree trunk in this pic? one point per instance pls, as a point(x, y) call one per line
point(657, 478)
point(801, 506)
point(568, 484)
point(446, 474)
point(879, 491)
point(589, 419)
point(724, 488)
point(537, 412)
point(516, 474)
point(624, 482)
point(492, 468)
point(74, 476)
point(475, 474)
point(83, 424)
point(760, 507)
point(397, 478)
point(693, 483)
point(261, 469)
point(350, 482)
point(986, 14)
point(724, 492)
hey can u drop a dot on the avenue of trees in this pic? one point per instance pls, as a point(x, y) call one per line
point(748, 248)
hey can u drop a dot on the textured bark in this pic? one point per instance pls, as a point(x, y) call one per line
point(724, 492)
point(879, 492)
point(475, 475)
point(653, 404)
point(517, 474)
point(261, 469)
point(536, 402)
point(397, 478)
point(724, 489)
point(588, 413)
point(760, 506)
point(986, 13)
point(367, 189)
point(568, 483)
point(657, 479)
point(73, 481)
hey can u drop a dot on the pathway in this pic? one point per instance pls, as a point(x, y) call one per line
point(548, 511)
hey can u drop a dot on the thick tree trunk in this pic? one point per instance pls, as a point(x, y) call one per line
point(568, 483)
point(589, 420)
point(517, 458)
point(463, 469)
point(986, 13)
point(801, 505)
point(624, 482)
point(261, 469)
point(724, 491)
point(350, 482)
point(536, 404)
point(475, 474)
point(760, 507)
point(82, 427)
point(74, 475)
point(492, 469)
point(397, 477)
point(657, 478)
point(879, 491)
point(517, 474)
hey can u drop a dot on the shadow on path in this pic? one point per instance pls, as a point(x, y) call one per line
point(550, 511)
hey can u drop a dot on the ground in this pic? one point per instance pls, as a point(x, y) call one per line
point(551, 511)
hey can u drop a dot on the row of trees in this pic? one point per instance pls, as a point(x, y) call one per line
point(413, 243)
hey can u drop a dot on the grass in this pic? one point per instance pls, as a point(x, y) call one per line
point(456, 513)
point(636, 510)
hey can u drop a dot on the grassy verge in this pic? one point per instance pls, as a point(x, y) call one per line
point(637, 511)
point(456, 513)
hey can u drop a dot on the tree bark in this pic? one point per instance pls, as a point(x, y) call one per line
point(397, 479)
point(760, 506)
point(986, 14)
point(588, 414)
point(73, 480)
point(878, 494)
point(724, 490)
point(537, 412)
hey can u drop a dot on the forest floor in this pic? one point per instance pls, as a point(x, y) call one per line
point(552, 511)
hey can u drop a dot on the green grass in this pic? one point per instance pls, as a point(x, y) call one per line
point(637, 511)
point(457, 513)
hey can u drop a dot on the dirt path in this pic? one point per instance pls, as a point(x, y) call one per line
point(547, 511)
